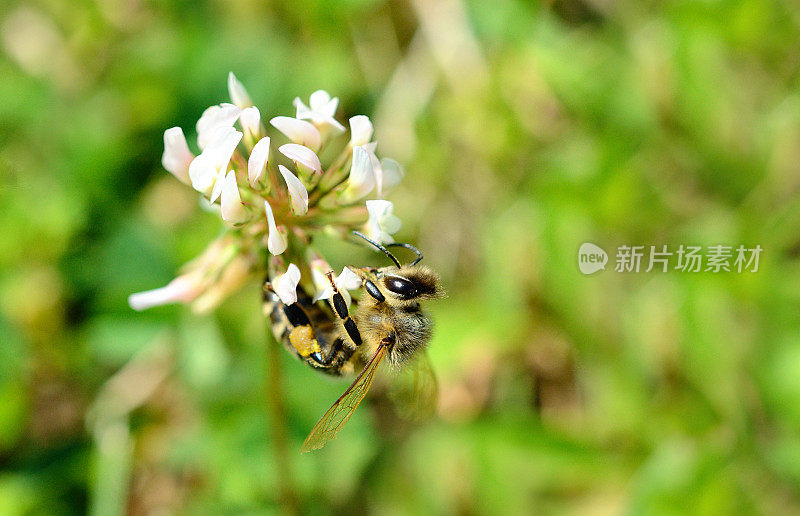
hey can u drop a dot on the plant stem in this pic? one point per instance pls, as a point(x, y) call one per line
point(277, 415)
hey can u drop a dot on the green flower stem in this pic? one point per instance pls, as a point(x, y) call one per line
point(277, 417)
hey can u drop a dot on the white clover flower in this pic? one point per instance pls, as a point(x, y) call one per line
point(259, 157)
point(219, 182)
point(285, 285)
point(223, 115)
point(276, 239)
point(320, 113)
point(321, 105)
point(177, 156)
point(362, 177)
point(237, 92)
point(234, 277)
point(205, 168)
point(319, 270)
point(235, 173)
point(200, 276)
point(297, 192)
point(304, 158)
point(388, 173)
point(250, 118)
point(299, 131)
point(391, 173)
point(347, 280)
point(183, 289)
point(382, 223)
point(203, 173)
point(360, 130)
point(232, 209)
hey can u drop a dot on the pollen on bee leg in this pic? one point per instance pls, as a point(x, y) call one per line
point(302, 339)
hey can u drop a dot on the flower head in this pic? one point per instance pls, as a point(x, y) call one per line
point(301, 194)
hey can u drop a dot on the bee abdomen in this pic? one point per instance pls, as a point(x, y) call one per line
point(278, 321)
point(304, 328)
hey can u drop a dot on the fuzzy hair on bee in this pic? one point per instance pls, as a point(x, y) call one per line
point(392, 308)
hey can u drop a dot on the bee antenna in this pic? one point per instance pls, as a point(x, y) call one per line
point(409, 247)
point(379, 247)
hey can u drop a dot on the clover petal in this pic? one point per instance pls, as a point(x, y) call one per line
point(285, 285)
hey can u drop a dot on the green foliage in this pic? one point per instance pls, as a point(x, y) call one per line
point(525, 129)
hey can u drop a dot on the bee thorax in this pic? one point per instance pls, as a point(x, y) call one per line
point(413, 332)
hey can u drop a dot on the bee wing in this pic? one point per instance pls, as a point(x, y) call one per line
point(336, 416)
point(415, 389)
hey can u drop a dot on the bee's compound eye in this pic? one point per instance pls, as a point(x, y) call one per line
point(400, 286)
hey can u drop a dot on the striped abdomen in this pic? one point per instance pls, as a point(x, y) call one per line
point(305, 328)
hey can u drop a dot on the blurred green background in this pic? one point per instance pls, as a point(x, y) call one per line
point(526, 129)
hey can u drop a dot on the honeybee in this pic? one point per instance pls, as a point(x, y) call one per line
point(387, 323)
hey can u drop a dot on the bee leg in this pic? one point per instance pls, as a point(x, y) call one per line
point(294, 313)
point(294, 327)
point(318, 358)
point(373, 291)
point(369, 286)
point(340, 307)
point(338, 354)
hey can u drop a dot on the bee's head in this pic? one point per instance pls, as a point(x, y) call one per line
point(403, 282)
point(410, 283)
